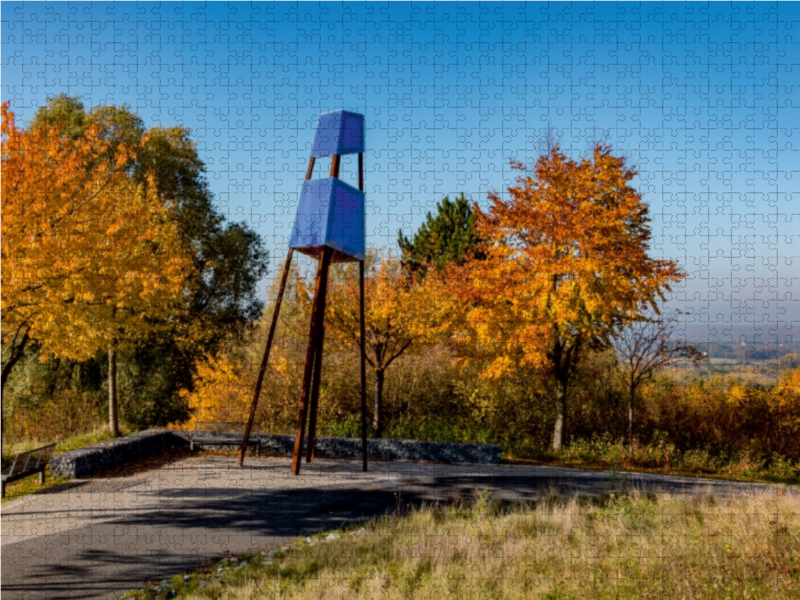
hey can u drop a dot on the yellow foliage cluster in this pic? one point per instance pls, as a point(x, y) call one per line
point(725, 414)
point(89, 256)
point(223, 391)
point(399, 311)
point(790, 379)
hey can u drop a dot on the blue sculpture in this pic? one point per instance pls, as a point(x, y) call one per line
point(329, 225)
point(338, 132)
point(330, 212)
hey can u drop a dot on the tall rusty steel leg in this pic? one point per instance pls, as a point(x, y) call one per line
point(363, 336)
point(363, 346)
point(312, 417)
point(265, 359)
point(314, 337)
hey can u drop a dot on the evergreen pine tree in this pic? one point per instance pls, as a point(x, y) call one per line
point(448, 237)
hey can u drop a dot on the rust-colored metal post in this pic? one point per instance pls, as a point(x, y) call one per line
point(310, 170)
point(361, 171)
point(335, 164)
point(313, 342)
point(363, 337)
point(265, 359)
point(363, 368)
point(312, 418)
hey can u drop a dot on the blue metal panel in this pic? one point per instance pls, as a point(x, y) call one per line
point(346, 221)
point(330, 213)
point(311, 221)
point(338, 132)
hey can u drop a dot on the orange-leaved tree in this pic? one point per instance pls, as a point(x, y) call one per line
point(567, 266)
point(90, 257)
point(400, 312)
point(45, 183)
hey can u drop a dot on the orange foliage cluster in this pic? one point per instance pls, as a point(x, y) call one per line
point(89, 256)
point(223, 392)
point(720, 416)
point(567, 257)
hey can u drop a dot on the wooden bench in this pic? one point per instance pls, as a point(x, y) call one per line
point(222, 433)
point(28, 463)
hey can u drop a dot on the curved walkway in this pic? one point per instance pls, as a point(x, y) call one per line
point(98, 538)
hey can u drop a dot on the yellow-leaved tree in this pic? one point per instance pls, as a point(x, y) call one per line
point(567, 266)
point(90, 258)
point(400, 312)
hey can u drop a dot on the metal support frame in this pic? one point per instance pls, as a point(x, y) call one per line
point(312, 417)
point(263, 369)
point(363, 346)
point(362, 335)
point(316, 330)
point(309, 400)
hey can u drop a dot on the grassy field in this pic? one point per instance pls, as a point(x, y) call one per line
point(661, 457)
point(613, 547)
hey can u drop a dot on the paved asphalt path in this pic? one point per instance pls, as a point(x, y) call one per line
point(98, 538)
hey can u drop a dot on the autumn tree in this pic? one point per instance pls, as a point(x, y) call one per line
point(449, 237)
point(223, 383)
point(645, 347)
point(44, 185)
point(228, 259)
point(400, 313)
point(91, 258)
point(567, 266)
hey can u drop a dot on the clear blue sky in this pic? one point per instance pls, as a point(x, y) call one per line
point(704, 98)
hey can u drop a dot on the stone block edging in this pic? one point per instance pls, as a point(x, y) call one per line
point(377, 449)
point(86, 461)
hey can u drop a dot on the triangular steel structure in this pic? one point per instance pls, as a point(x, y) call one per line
point(329, 225)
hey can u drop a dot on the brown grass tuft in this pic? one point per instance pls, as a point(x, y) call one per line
point(616, 547)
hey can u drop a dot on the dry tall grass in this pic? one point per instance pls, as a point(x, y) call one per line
point(619, 547)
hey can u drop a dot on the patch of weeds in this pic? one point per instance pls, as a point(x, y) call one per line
point(530, 526)
point(782, 469)
point(558, 594)
point(30, 485)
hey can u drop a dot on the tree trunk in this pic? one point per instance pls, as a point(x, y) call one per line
point(377, 422)
point(630, 422)
point(16, 353)
point(559, 431)
point(113, 417)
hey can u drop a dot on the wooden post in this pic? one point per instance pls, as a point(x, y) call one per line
point(265, 359)
point(363, 369)
point(313, 343)
point(310, 170)
point(335, 164)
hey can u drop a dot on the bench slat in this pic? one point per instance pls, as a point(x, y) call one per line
point(31, 460)
point(28, 463)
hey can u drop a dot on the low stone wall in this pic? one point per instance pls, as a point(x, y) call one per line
point(84, 462)
point(328, 447)
point(114, 453)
